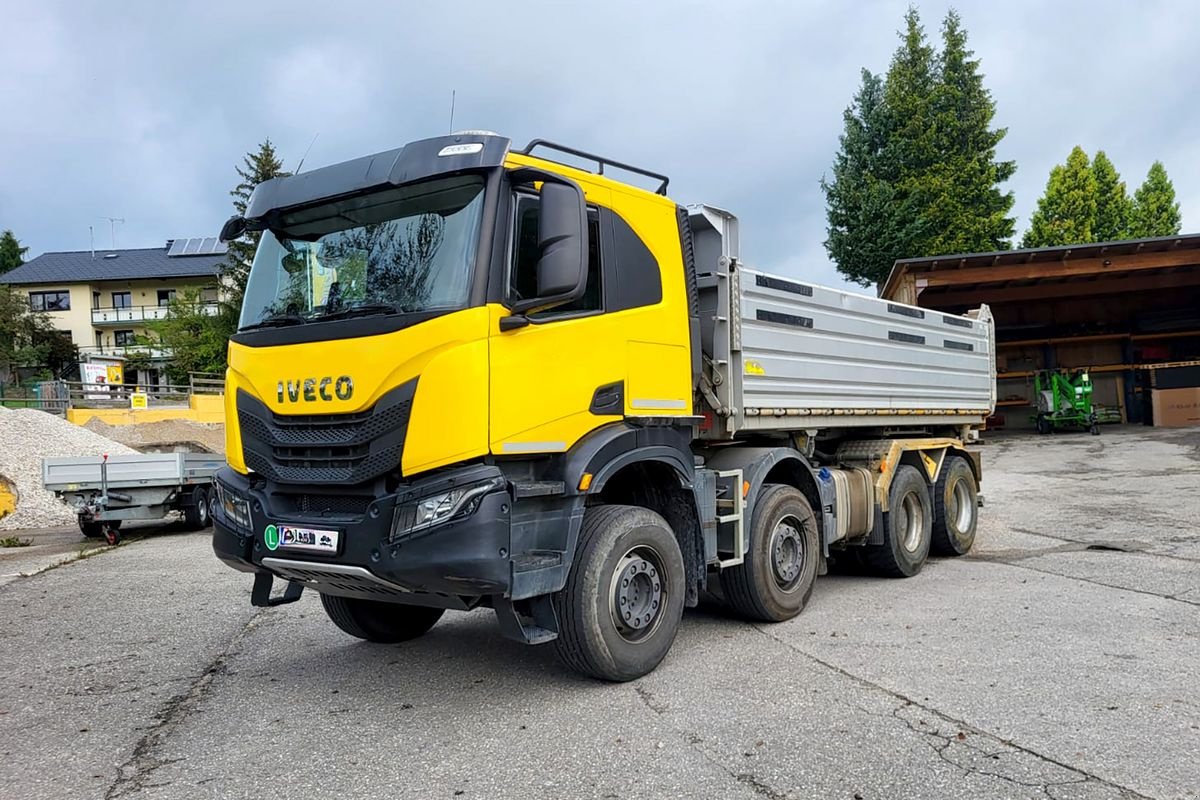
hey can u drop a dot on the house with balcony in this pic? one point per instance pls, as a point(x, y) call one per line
point(104, 299)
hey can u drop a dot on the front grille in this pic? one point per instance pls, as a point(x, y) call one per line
point(326, 448)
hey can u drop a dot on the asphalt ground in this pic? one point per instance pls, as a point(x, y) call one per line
point(1060, 659)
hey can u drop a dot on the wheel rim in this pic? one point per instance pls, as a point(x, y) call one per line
point(962, 510)
point(914, 521)
point(202, 510)
point(639, 593)
point(789, 553)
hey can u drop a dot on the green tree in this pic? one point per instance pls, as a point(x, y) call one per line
point(12, 254)
point(965, 210)
point(258, 166)
point(1113, 208)
point(1066, 213)
point(27, 337)
point(1155, 210)
point(915, 173)
point(196, 338)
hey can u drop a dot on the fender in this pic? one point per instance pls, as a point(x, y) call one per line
point(603, 452)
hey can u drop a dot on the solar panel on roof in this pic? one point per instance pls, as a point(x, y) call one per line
point(208, 246)
point(193, 247)
point(177, 246)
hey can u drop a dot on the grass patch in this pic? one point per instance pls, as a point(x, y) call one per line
point(15, 541)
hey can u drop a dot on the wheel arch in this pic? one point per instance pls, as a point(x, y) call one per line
point(764, 465)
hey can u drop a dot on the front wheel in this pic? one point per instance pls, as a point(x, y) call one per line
point(621, 606)
point(777, 577)
point(375, 621)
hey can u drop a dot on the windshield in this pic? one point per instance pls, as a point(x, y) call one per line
point(395, 251)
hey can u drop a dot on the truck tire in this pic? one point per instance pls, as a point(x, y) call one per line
point(955, 509)
point(196, 516)
point(375, 621)
point(620, 608)
point(775, 581)
point(907, 528)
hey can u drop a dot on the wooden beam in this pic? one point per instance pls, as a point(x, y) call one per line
point(1051, 291)
point(1063, 269)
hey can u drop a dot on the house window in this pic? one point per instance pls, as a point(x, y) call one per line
point(122, 300)
point(123, 338)
point(99, 341)
point(165, 296)
point(58, 300)
point(95, 299)
point(208, 295)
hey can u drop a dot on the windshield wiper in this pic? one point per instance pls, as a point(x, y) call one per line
point(364, 310)
point(277, 321)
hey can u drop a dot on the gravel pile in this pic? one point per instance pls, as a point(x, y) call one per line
point(26, 437)
point(166, 435)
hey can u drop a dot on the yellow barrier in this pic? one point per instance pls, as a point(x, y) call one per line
point(200, 408)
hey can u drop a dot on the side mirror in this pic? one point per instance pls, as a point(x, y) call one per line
point(233, 228)
point(562, 241)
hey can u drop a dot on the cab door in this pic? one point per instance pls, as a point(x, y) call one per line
point(558, 377)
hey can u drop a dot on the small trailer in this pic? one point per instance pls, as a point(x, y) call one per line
point(105, 491)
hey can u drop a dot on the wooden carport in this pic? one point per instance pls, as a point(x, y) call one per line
point(1116, 308)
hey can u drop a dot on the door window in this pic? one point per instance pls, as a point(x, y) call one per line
point(523, 278)
point(122, 300)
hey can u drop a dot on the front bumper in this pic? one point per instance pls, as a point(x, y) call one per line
point(464, 558)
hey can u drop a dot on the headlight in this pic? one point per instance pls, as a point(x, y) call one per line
point(437, 509)
point(236, 507)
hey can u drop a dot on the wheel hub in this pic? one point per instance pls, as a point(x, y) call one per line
point(637, 594)
point(787, 553)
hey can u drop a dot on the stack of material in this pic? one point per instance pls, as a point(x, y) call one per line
point(165, 436)
point(26, 437)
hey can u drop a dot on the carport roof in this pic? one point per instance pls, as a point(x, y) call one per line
point(966, 279)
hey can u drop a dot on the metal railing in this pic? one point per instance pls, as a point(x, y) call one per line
point(118, 315)
point(127, 350)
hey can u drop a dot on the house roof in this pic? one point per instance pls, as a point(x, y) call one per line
point(1047, 272)
point(146, 263)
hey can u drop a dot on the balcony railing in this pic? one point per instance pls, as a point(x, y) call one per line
point(127, 350)
point(127, 314)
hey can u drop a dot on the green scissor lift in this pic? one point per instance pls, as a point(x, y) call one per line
point(1064, 400)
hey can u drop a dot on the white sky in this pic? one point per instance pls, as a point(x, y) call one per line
point(141, 109)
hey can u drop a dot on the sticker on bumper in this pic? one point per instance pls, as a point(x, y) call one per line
point(319, 541)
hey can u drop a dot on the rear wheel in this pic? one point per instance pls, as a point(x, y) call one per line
point(620, 608)
point(374, 621)
point(955, 509)
point(907, 528)
point(196, 516)
point(777, 577)
point(1043, 425)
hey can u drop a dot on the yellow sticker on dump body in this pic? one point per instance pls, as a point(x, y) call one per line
point(754, 368)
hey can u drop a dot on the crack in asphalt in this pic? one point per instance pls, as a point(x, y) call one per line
point(133, 775)
point(963, 727)
point(693, 741)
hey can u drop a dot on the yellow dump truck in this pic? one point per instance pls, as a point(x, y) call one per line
point(469, 376)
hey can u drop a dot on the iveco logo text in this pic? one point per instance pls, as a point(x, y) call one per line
point(312, 389)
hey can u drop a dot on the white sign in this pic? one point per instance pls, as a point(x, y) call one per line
point(95, 375)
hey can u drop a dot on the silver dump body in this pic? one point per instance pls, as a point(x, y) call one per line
point(781, 354)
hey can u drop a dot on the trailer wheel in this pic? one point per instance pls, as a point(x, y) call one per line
point(111, 532)
point(776, 579)
point(375, 621)
point(196, 516)
point(1042, 424)
point(92, 530)
point(620, 608)
point(907, 528)
point(955, 509)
